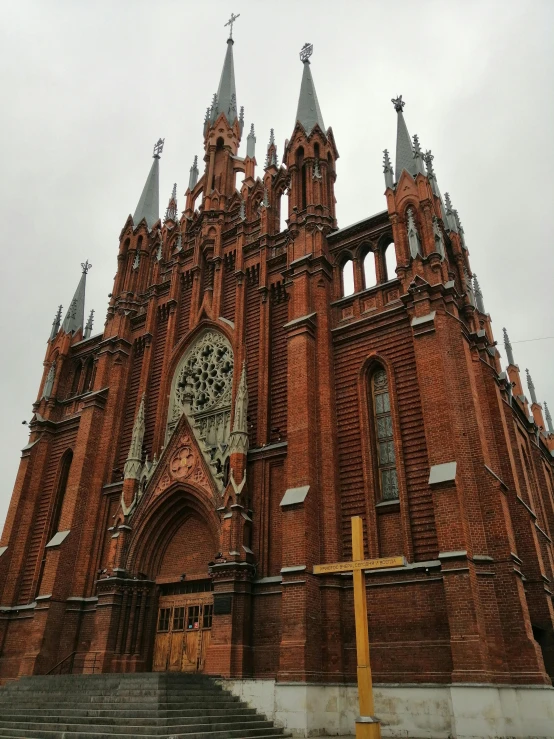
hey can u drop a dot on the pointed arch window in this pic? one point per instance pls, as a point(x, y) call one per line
point(60, 492)
point(384, 436)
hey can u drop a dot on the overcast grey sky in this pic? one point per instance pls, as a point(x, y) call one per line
point(88, 87)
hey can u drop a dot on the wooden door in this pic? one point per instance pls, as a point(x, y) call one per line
point(183, 632)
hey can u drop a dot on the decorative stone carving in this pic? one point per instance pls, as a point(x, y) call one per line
point(202, 388)
point(49, 384)
point(413, 236)
point(182, 462)
point(438, 236)
point(133, 465)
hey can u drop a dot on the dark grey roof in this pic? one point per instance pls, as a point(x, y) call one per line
point(226, 92)
point(149, 204)
point(404, 151)
point(309, 112)
point(75, 316)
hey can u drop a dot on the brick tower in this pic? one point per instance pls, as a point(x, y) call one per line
point(188, 466)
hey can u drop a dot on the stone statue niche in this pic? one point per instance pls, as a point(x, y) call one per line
point(202, 388)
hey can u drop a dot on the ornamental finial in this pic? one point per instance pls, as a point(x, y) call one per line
point(305, 52)
point(86, 266)
point(398, 103)
point(158, 148)
point(230, 22)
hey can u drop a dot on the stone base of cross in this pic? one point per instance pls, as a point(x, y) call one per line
point(367, 725)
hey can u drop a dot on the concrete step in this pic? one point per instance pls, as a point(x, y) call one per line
point(208, 734)
point(117, 721)
point(124, 713)
point(119, 697)
point(136, 729)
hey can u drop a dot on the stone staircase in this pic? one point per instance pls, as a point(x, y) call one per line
point(160, 705)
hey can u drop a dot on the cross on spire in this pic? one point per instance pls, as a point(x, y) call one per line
point(230, 22)
point(306, 51)
point(86, 267)
point(158, 148)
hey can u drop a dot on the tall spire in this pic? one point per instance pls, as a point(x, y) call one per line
point(75, 316)
point(308, 112)
point(531, 387)
point(226, 99)
point(508, 347)
point(548, 419)
point(56, 323)
point(149, 204)
point(404, 151)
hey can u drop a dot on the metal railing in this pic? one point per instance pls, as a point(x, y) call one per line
point(77, 662)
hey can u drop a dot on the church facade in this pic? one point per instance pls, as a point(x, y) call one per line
point(188, 466)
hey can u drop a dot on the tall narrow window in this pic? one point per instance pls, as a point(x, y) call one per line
point(60, 492)
point(390, 262)
point(348, 278)
point(386, 457)
point(370, 277)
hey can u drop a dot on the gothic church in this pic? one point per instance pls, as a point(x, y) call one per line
point(190, 464)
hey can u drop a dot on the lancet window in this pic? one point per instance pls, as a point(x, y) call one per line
point(384, 436)
point(348, 278)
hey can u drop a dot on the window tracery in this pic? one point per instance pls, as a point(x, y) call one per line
point(384, 436)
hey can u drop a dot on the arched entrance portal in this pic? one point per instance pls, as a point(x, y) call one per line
point(174, 544)
point(185, 605)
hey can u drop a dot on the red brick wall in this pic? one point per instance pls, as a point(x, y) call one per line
point(189, 550)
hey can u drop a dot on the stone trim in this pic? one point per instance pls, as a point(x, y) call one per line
point(440, 473)
point(294, 496)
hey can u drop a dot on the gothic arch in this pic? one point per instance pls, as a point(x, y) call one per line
point(156, 526)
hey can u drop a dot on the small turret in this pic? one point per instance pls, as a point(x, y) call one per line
point(387, 169)
point(418, 156)
point(171, 210)
point(88, 327)
point(548, 419)
point(508, 347)
point(531, 387)
point(133, 465)
point(251, 143)
point(56, 324)
point(193, 176)
point(478, 295)
point(271, 157)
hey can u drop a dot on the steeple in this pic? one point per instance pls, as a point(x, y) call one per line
point(404, 151)
point(271, 156)
point(149, 204)
point(88, 327)
point(56, 323)
point(225, 100)
point(75, 316)
point(308, 112)
point(508, 347)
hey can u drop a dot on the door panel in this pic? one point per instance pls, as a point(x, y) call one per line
point(183, 632)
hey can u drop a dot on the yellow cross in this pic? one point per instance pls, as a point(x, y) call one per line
point(367, 726)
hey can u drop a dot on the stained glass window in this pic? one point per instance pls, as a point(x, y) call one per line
point(386, 457)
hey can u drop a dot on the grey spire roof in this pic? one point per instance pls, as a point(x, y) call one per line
point(88, 327)
point(226, 92)
point(387, 169)
point(404, 151)
point(308, 112)
point(193, 175)
point(149, 204)
point(75, 316)
point(478, 295)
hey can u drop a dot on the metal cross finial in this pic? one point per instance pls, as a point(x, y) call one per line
point(306, 51)
point(158, 148)
point(398, 103)
point(230, 22)
point(86, 266)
